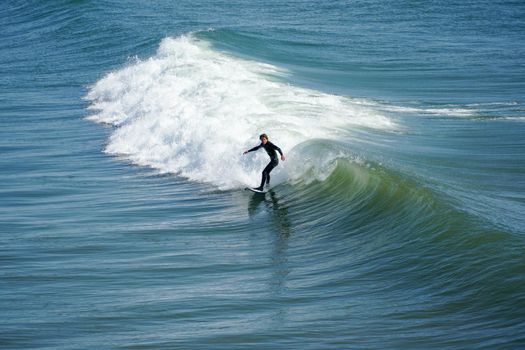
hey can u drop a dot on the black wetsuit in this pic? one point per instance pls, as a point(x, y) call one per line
point(270, 148)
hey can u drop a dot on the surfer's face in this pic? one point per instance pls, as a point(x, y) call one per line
point(264, 140)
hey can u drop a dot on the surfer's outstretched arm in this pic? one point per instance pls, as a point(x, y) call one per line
point(253, 149)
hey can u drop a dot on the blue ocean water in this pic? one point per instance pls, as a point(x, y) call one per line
point(396, 221)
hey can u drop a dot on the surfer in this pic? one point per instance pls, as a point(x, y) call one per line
point(270, 148)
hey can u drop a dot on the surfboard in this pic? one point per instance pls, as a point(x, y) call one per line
point(254, 190)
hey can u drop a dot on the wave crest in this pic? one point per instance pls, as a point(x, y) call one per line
point(192, 110)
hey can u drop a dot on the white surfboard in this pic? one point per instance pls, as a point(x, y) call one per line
point(254, 190)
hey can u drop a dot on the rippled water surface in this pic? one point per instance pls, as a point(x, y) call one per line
point(396, 221)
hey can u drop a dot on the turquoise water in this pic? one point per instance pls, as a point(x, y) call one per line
point(396, 221)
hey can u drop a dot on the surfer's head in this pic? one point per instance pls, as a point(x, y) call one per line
point(263, 138)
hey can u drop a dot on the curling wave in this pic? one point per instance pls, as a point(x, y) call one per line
point(191, 110)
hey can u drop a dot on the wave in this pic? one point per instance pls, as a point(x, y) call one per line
point(191, 110)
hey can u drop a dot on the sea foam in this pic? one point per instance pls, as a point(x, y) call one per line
point(192, 110)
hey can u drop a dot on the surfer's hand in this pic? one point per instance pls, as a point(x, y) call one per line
point(245, 152)
point(283, 157)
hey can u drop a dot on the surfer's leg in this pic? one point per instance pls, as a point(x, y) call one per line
point(274, 163)
point(266, 174)
point(263, 179)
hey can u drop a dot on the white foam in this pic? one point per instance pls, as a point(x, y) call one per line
point(451, 111)
point(192, 110)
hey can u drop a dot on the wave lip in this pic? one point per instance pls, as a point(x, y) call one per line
point(192, 110)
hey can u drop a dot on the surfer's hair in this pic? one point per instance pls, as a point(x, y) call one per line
point(263, 135)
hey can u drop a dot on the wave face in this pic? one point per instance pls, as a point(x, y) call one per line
point(192, 110)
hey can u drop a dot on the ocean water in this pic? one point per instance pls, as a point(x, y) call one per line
point(396, 221)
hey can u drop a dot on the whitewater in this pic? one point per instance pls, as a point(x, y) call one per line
point(191, 110)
